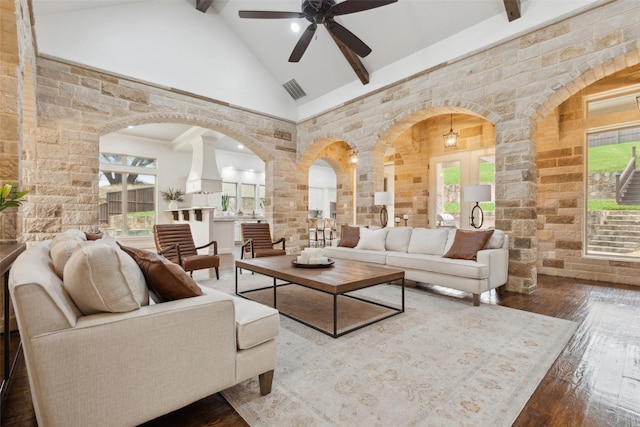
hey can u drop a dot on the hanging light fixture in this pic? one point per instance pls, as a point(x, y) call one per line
point(451, 138)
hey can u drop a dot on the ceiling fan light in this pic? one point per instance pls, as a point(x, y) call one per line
point(295, 27)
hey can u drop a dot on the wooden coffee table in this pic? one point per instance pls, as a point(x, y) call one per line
point(342, 277)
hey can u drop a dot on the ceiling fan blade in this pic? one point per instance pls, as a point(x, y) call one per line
point(353, 6)
point(265, 14)
point(303, 43)
point(348, 38)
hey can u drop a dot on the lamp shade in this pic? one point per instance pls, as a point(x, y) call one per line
point(382, 198)
point(477, 193)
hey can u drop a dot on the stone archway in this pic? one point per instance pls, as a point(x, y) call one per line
point(562, 151)
point(337, 153)
point(415, 139)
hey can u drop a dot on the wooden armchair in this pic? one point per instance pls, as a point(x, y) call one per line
point(175, 242)
point(257, 241)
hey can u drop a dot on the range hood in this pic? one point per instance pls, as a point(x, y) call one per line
point(204, 177)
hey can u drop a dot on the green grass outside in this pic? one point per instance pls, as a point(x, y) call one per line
point(609, 205)
point(610, 158)
point(455, 207)
point(487, 174)
point(607, 158)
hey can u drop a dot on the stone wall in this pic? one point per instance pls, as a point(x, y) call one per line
point(562, 155)
point(514, 86)
point(78, 105)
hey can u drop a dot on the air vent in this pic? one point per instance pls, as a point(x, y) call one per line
point(294, 89)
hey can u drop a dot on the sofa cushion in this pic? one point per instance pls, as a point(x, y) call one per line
point(255, 323)
point(467, 243)
point(496, 241)
point(438, 264)
point(372, 240)
point(102, 278)
point(353, 254)
point(166, 281)
point(349, 236)
point(398, 239)
point(429, 241)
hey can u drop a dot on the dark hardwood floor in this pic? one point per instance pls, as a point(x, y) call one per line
point(594, 382)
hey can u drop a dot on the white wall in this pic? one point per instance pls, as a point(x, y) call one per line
point(225, 70)
point(174, 166)
point(322, 188)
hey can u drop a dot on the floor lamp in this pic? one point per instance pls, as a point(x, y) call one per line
point(477, 193)
point(382, 198)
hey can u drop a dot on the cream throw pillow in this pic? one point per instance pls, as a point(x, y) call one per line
point(61, 253)
point(428, 241)
point(496, 241)
point(372, 239)
point(102, 278)
point(398, 239)
point(72, 234)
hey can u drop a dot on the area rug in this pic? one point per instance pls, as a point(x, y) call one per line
point(441, 362)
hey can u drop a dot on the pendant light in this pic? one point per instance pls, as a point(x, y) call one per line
point(451, 138)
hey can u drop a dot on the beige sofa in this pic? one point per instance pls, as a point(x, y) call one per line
point(420, 253)
point(125, 368)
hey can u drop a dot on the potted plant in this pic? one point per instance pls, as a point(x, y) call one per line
point(10, 196)
point(225, 203)
point(173, 196)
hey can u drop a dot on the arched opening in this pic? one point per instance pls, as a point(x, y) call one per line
point(583, 147)
point(428, 178)
point(322, 202)
point(142, 166)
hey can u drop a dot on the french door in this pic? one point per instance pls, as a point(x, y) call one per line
point(449, 174)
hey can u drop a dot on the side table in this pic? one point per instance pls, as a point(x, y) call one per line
point(8, 253)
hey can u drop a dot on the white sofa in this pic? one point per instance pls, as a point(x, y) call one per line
point(125, 368)
point(419, 252)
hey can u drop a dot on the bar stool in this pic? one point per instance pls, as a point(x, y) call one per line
point(329, 228)
point(316, 230)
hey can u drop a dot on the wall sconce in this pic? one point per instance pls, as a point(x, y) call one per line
point(383, 198)
point(353, 158)
point(477, 193)
point(451, 138)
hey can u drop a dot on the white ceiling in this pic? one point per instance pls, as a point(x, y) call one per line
point(245, 61)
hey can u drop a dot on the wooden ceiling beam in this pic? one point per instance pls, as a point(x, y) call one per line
point(203, 5)
point(353, 60)
point(512, 8)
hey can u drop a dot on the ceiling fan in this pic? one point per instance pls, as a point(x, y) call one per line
point(322, 12)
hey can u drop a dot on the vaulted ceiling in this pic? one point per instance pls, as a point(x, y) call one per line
point(204, 47)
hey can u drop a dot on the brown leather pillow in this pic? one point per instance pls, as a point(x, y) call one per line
point(349, 236)
point(94, 236)
point(467, 243)
point(166, 281)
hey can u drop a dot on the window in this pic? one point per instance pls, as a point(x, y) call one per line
point(230, 189)
point(248, 197)
point(261, 196)
point(613, 201)
point(127, 188)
